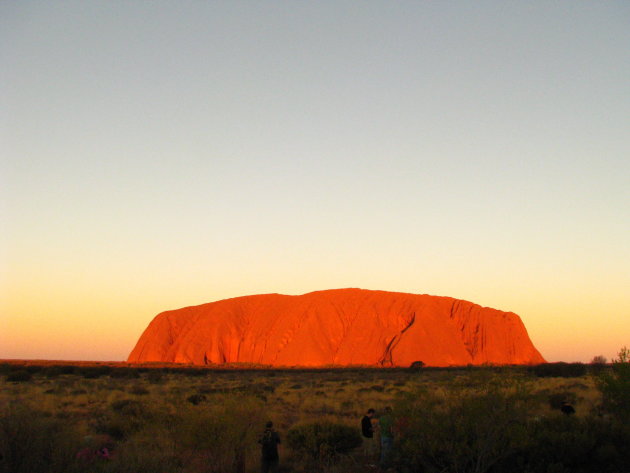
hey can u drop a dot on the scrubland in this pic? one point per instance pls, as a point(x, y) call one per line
point(189, 420)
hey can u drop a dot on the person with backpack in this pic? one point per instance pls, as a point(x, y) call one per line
point(269, 448)
point(367, 432)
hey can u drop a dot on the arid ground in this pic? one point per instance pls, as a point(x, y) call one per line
point(117, 418)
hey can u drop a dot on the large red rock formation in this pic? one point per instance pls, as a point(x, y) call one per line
point(337, 327)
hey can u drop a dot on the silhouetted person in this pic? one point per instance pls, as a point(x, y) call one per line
point(386, 424)
point(367, 431)
point(567, 408)
point(269, 442)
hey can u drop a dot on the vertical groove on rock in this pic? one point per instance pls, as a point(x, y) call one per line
point(411, 321)
point(386, 359)
point(388, 355)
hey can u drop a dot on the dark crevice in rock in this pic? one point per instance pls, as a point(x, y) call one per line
point(388, 356)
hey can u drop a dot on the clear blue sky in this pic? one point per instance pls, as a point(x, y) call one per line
point(162, 154)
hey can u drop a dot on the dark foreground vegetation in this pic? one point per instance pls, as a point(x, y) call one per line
point(65, 418)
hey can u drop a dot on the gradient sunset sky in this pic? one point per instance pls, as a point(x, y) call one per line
point(156, 155)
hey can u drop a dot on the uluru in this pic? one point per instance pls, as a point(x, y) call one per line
point(340, 327)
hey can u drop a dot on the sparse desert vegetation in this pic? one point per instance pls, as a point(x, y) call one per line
point(63, 418)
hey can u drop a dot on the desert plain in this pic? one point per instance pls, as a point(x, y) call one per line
point(118, 417)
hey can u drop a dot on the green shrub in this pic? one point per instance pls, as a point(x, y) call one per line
point(126, 417)
point(270, 388)
point(615, 386)
point(124, 373)
point(462, 430)
point(556, 399)
point(597, 365)
point(152, 450)
point(33, 442)
point(568, 444)
point(19, 376)
point(93, 372)
point(322, 440)
point(223, 435)
point(129, 407)
point(194, 372)
point(68, 369)
point(599, 360)
point(155, 376)
point(559, 370)
point(53, 372)
point(196, 399)
point(139, 390)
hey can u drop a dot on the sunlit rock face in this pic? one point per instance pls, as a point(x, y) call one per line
point(337, 327)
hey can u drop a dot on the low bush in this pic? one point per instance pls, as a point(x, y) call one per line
point(19, 376)
point(32, 441)
point(347, 406)
point(222, 436)
point(124, 373)
point(322, 440)
point(33, 368)
point(196, 399)
point(125, 418)
point(53, 372)
point(152, 450)
point(597, 365)
point(139, 390)
point(615, 386)
point(559, 370)
point(557, 399)
point(269, 388)
point(568, 444)
point(194, 372)
point(93, 372)
point(68, 369)
point(129, 407)
point(155, 376)
point(462, 431)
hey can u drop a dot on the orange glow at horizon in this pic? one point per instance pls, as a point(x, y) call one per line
point(78, 322)
point(157, 156)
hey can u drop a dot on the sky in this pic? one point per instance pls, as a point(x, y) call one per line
point(156, 155)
